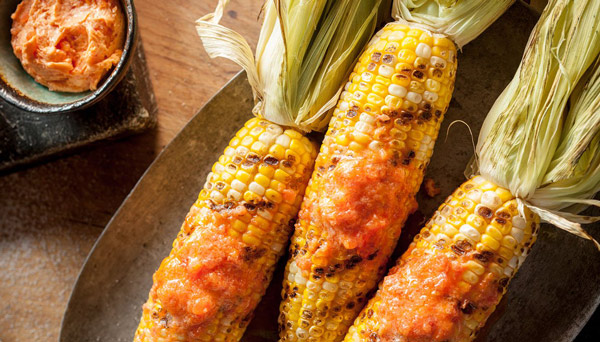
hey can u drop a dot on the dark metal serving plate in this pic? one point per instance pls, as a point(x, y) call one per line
point(551, 298)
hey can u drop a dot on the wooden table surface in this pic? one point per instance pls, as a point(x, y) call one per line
point(51, 214)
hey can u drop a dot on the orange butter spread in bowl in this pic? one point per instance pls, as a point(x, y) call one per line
point(68, 45)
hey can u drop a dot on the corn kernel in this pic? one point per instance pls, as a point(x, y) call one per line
point(470, 277)
point(266, 170)
point(475, 267)
point(382, 80)
point(354, 146)
point(379, 89)
point(250, 239)
point(250, 196)
point(243, 176)
point(404, 68)
point(273, 196)
point(504, 194)
point(262, 180)
point(490, 242)
point(401, 80)
point(408, 56)
point(239, 226)
point(506, 253)
point(279, 175)
point(259, 148)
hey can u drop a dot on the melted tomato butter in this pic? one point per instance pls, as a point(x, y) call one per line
point(208, 272)
point(357, 205)
point(423, 300)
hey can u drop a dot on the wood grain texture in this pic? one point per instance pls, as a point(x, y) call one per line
point(51, 214)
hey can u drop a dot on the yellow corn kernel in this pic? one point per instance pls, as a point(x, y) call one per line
point(382, 80)
point(273, 196)
point(239, 226)
point(262, 180)
point(504, 194)
point(379, 89)
point(243, 176)
point(401, 80)
point(361, 138)
point(404, 68)
point(266, 170)
point(280, 176)
point(250, 239)
point(442, 42)
point(490, 242)
point(407, 55)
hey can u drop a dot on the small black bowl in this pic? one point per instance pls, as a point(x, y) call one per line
point(20, 89)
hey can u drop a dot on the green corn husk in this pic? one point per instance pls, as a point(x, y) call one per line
point(461, 20)
point(531, 142)
point(305, 52)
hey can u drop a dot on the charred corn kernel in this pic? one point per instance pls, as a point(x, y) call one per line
point(385, 111)
point(481, 264)
point(241, 195)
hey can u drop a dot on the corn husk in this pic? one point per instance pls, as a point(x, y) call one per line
point(305, 52)
point(461, 20)
point(541, 137)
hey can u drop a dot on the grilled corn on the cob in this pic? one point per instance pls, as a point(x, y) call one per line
point(455, 272)
point(223, 257)
point(538, 159)
point(366, 176)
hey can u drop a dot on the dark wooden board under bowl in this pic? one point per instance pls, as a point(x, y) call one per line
point(550, 299)
point(27, 137)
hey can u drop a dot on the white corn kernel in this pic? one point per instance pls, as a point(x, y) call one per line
point(237, 185)
point(242, 151)
point(430, 96)
point(491, 200)
point(397, 35)
point(423, 50)
point(474, 195)
point(519, 222)
point(267, 138)
point(517, 234)
point(367, 118)
point(478, 180)
point(284, 140)
point(344, 106)
point(234, 194)
point(385, 70)
point(513, 262)
point(438, 62)
point(397, 90)
point(264, 214)
point(300, 279)
point(256, 188)
point(414, 97)
point(216, 196)
point(274, 129)
point(470, 232)
point(364, 127)
point(229, 151)
point(219, 168)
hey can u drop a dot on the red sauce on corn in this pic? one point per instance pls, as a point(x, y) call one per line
point(359, 202)
point(421, 299)
point(208, 272)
